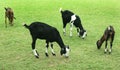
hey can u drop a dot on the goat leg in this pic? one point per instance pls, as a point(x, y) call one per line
point(5, 21)
point(53, 53)
point(47, 45)
point(105, 47)
point(33, 47)
point(110, 47)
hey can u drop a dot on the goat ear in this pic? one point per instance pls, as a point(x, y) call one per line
point(5, 8)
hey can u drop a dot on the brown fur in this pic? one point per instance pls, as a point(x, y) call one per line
point(9, 14)
point(108, 35)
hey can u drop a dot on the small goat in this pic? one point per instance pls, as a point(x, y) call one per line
point(68, 16)
point(108, 34)
point(10, 15)
point(50, 34)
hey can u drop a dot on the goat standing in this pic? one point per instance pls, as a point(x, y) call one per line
point(108, 34)
point(50, 34)
point(10, 15)
point(68, 16)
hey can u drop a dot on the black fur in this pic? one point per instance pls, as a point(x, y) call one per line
point(66, 17)
point(108, 35)
point(40, 30)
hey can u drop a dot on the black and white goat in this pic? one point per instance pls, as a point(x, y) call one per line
point(40, 30)
point(70, 17)
point(108, 34)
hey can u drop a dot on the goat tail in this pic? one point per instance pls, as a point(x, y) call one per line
point(26, 26)
point(5, 8)
point(60, 10)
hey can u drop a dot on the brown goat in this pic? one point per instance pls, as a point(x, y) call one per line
point(108, 34)
point(10, 15)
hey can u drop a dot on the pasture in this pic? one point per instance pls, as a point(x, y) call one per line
point(96, 15)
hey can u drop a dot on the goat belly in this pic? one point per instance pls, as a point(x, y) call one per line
point(49, 36)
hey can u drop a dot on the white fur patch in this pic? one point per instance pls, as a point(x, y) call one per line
point(105, 50)
point(60, 9)
point(108, 28)
point(71, 29)
point(23, 24)
point(35, 53)
point(110, 50)
point(85, 33)
point(78, 31)
point(52, 50)
point(73, 18)
point(46, 50)
point(64, 30)
point(70, 33)
point(67, 52)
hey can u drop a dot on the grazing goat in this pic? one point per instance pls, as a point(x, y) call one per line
point(40, 30)
point(68, 16)
point(10, 15)
point(108, 34)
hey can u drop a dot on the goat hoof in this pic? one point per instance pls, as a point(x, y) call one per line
point(67, 57)
point(109, 52)
point(105, 52)
point(53, 54)
point(82, 38)
point(37, 56)
point(46, 54)
point(37, 53)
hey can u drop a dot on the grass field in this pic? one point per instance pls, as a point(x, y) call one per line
point(96, 15)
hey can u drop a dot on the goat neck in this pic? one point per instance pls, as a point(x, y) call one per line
point(102, 39)
point(60, 42)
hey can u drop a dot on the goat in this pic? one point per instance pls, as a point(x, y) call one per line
point(70, 17)
point(10, 15)
point(108, 34)
point(40, 30)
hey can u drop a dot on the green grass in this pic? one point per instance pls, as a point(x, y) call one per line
point(96, 15)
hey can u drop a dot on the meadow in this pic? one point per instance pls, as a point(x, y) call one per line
point(96, 15)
